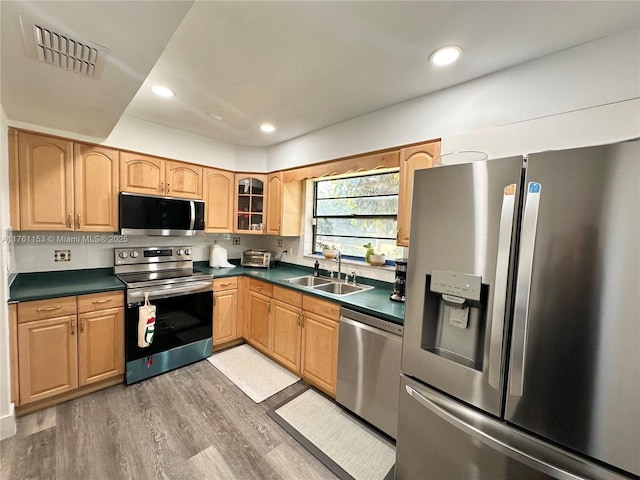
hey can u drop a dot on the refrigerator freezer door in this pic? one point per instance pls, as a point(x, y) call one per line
point(575, 356)
point(442, 439)
point(461, 236)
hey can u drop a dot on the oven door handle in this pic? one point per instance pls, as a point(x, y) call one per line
point(135, 296)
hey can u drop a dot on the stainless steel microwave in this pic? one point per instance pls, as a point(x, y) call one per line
point(164, 216)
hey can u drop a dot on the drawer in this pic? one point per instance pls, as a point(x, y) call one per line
point(100, 301)
point(42, 309)
point(321, 307)
point(260, 287)
point(220, 284)
point(287, 295)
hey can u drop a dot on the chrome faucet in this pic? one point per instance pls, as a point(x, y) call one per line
point(339, 260)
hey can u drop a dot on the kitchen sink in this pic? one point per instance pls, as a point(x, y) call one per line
point(341, 288)
point(326, 285)
point(308, 281)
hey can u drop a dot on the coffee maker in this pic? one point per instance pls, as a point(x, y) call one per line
point(399, 284)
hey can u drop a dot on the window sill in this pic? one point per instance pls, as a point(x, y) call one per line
point(348, 261)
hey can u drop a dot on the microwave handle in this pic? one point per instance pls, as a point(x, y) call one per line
point(192, 204)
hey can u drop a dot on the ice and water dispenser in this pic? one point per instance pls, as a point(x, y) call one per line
point(454, 317)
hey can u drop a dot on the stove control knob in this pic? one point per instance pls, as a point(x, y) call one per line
point(133, 254)
point(179, 251)
point(123, 255)
point(187, 251)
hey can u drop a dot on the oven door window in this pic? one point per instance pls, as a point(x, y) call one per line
point(180, 321)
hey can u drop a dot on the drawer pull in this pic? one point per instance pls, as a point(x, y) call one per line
point(50, 309)
point(225, 284)
point(101, 301)
point(259, 287)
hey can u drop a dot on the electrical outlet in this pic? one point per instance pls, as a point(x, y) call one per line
point(279, 242)
point(236, 240)
point(62, 255)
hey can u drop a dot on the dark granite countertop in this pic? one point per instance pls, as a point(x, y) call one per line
point(373, 302)
point(43, 285)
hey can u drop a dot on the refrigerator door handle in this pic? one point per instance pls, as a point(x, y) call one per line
point(523, 288)
point(500, 296)
point(508, 441)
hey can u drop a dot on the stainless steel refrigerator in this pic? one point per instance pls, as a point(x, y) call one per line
point(521, 349)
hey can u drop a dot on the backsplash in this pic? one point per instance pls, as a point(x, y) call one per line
point(37, 251)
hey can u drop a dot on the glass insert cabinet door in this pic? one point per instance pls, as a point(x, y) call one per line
point(250, 203)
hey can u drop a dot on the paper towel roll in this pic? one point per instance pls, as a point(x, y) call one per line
point(218, 257)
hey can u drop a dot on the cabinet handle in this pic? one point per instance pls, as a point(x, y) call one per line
point(398, 234)
point(300, 317)
point(101, 301)
point(269, 307)
point(168, 188)
point(81, 324)
point(73, 327)
point(225, 284)
point(50, 309)
point(302, 320)
point(162, 187)
point(259, 287)
point(78, 221)
point(70, 220)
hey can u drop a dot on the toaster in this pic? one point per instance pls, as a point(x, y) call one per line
point(258, 258)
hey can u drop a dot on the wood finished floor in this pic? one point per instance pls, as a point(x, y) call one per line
point(192, 423)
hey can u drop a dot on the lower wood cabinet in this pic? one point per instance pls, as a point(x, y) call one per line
point(225, 310)
point(304, 336)
point(67, 343)
point(259, 316)
point(47, 357)
point(287, 331)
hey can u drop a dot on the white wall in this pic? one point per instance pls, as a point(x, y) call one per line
point(7, 418)
point(141, 136)
point(595, 74)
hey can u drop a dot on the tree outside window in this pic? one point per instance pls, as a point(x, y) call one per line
point(351, 212)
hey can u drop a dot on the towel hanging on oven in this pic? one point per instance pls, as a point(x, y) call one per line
point(146, 322)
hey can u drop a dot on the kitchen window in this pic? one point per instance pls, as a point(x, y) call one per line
point(351, 212)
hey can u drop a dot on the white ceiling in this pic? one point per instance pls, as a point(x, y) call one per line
point(299, 65)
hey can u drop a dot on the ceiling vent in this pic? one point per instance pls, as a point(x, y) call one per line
point(62, 50)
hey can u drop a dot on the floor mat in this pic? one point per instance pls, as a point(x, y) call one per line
point(348, 447)
point(255, 374)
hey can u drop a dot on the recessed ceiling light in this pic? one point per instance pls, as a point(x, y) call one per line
point(215, 116)
point(267, 128)
point(445, 55)
point(163, 91)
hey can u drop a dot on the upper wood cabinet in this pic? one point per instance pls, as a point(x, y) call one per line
point(411, 159)
point(64, 185)
point(96, 188)
point(141, 174)
point(218, 192)
point(45, 167)
point(157, 176)
point(284, 206)
point(183, 180)
point(250, 203)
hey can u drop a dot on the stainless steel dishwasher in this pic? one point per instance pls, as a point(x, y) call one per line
point(369, 353)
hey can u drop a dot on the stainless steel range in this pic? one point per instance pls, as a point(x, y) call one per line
point(184, 309)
